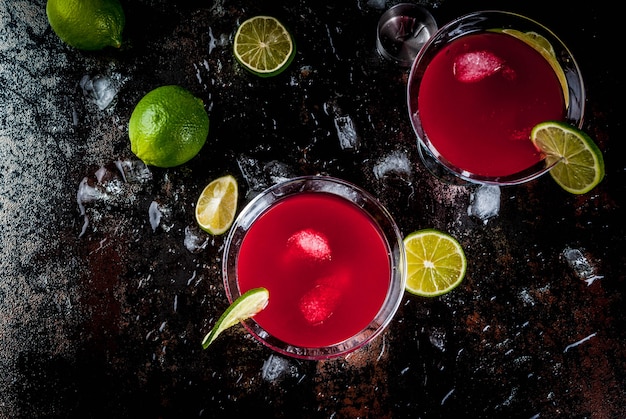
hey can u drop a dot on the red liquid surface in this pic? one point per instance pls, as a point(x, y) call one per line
point(325, 265)
point(479, 99)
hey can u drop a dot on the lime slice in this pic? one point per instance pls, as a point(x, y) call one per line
point(436, 263)
point(264, 46)
point(545, 48)
point(217, 205)
point(244, 307)
point(579, 162)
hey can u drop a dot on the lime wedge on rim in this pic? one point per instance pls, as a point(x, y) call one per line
point(264, 46)
point(532, 38)
point(545, 48)
point(247, 305)
point(578, 162)
point(436, 262)
point(217, 205)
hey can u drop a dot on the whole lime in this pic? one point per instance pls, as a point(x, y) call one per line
point(87, 24)
point(168, 127)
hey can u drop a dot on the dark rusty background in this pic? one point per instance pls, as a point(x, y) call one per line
point(105, 318)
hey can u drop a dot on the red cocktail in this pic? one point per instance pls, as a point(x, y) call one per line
point(479, 86)
point(331, 258)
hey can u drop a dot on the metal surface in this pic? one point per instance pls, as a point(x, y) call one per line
point(107, 286)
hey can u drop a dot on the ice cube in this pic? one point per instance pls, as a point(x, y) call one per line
point(195, 240)
point(154, 213)
point(309, 244)
point(101, 90)
point(133, 171)
point(319, 303)
point(437, 337)
point(278, 171)
point(472, 67)
point(274, 368)
point(87, 192)
point(349, 139)
point(582, 266)
point(260, 175)
point(485, 202)
point(396, 162)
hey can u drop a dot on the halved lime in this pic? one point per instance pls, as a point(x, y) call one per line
point(436, 262)
point(579, 162)
point(247, 305)
point(217, 205)
point(264, 46)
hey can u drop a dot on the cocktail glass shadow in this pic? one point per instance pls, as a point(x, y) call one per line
point(572, 86)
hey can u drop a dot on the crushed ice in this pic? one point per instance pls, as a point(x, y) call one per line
point(261, 175)
point(438, 338)
point(582, 266)
point(396, 162)
point(195, 239)
point(485, 202)
point(318, 304)
point(277, 367)
point(349, 139)
point(113, 185)
point(154, 214)
point(99, 89)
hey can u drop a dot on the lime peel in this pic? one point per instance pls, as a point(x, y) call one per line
point(246, 306)
point(436, 262)
point(577, 162)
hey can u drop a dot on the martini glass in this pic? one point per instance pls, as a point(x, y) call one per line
point(332, 259)
point(476, 89)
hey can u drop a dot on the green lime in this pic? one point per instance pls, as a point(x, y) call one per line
point(578, 162)
point(217, 205)
point(264, 46)
point(244, 307)
point(436, 262)
point(87, 24)
point(168, 127)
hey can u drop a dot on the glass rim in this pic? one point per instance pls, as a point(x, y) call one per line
point(456, 28)
point(379, 216)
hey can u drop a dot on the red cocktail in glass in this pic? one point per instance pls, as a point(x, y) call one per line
point(479, 86)
point(330, 256)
